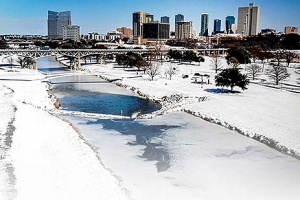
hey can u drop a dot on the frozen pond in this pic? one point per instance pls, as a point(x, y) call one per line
point(195, 159)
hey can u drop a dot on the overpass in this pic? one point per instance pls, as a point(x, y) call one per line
point(76, 54)
point(79, 53)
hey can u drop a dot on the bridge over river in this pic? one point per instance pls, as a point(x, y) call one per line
point(77, 54)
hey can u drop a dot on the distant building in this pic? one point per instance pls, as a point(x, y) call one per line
point(156, 31)
point(149, 17)
point(217, 26)
point(127, 32)
point(248, 20)
point(138, 18)
point(268, 31)
point(114, 35)
point(179, 18)
point(71, 32)
point(56, 21)
point(91, 36)
point(204, 24)
point(291, 30)
point(183, 30)
point(229, 23)
point(165, 19)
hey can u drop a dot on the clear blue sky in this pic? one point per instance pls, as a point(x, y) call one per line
point(30, 16)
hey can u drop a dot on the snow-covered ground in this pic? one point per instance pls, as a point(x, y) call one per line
point(41, 156)
point(207, 161)
point(48, 159)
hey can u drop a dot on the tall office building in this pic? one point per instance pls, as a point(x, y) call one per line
point(184, 30)
point(56, 21)
point(230, 21)
point(138, 18)
point(248, 20)
point(217, 26)
point(71, 32)
point(156, 31)
point(179, 18)
point(165, 19)
point(204, 24)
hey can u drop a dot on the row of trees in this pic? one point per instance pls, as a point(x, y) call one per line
point(231, 77)
point(24, 62)
point(131, 59)
point(277, 70)
point(188, 56)
point(268, 41)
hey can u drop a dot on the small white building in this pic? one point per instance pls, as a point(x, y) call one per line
point(114, 35)
point(71, 32)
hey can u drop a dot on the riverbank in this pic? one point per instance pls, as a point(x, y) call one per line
point(268, 115)
point(43, 157)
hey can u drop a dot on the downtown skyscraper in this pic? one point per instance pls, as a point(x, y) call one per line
point(179, 18)
point(165, 19)
point(204, 24)
point(248, 20)
point(230, 23)
point(217, 26)
point(56, 21)
point(138, 18)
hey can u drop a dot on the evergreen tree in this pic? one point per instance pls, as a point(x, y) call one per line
point(231, 77)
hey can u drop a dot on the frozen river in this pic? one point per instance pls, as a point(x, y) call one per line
point(175, 156)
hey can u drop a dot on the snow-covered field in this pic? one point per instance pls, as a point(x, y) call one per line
point(49, 160)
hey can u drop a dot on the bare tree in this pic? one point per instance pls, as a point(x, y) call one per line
point(263, 55)
point(10, 61)
point(142, 64)
point(153, 71)
point(146, 66)
point(171, 70)
point(253, 70)
point(289, 56)
point(21, 61)
point(216, 62)
point(278, 73)
point(278, 55)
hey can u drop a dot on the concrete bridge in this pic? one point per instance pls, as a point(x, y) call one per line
point(76, 54)
point(79, 53)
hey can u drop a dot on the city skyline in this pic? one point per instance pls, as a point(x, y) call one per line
point(30, 17)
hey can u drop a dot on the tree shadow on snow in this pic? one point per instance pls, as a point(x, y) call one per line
point(220, 90)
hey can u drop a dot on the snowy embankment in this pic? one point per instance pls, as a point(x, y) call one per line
point(43, 157)
point(7, 112)
point(266, 114)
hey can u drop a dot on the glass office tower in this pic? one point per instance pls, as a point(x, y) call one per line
point(56, 21)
